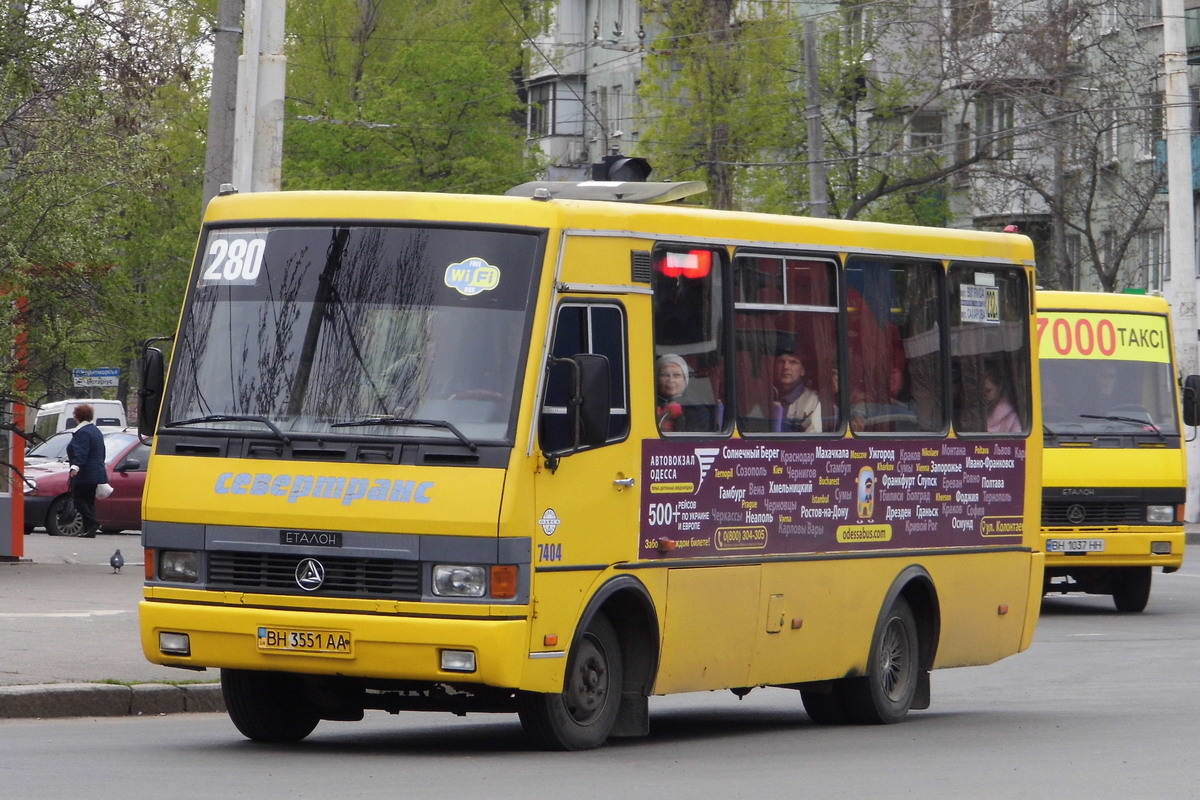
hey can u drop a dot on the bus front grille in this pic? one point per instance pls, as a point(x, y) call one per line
point(343, 577)
point(1073, 515)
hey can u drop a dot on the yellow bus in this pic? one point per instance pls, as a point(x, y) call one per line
point(557, 452)
point(1115, 470)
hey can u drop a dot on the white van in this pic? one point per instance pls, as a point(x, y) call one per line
point(59, 415)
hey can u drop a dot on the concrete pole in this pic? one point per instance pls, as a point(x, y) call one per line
point(817, 190)
point(262, 73)
point(1181, 290)
point(218, 157)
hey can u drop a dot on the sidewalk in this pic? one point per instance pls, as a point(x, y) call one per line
point(69, 642)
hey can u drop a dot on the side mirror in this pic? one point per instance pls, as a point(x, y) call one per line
point(1191, 400)
point(589, 416)
point(579, 386)
point(151, 393)
point(129, 465)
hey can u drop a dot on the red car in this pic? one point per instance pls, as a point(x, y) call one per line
point(47, 492)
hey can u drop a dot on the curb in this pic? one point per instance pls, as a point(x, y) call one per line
point(108, 700)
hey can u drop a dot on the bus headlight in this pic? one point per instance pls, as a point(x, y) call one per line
point(1160, 513)
point(177, 565)
point(450, 580)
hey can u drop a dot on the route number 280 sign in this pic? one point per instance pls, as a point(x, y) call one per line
point(233, 257)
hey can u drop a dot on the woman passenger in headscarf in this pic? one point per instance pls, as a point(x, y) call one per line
point(670, 381)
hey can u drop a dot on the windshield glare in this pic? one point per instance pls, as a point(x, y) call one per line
point(317, 326)
point(1081, 395)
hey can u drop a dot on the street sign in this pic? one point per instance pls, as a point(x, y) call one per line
point(103, 376)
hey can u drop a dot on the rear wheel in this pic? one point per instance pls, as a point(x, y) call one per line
point(63, 521)
point(1131, 589)
point(582, 715)
point(886, 692)
point(826, 708)
point(268, 706)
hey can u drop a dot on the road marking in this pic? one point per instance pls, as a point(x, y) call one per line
point(64, 614)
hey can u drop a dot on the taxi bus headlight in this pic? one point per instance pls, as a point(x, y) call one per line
point(177, 565)
point(1160, 513)
point(451, 580)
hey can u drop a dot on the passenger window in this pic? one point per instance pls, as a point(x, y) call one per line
point(586, 328)
point(689, 369)
point(786, 344)
point(989, 349)
point(894, 313)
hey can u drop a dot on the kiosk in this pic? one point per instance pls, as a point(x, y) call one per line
point(12, 466)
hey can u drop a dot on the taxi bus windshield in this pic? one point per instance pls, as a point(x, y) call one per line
point(311, 327)
point(1090, 396)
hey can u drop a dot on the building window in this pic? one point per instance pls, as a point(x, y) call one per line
point(925, 134)
point(616, 111)
point(1150, 125)
point(970, 18)
point(1109, 140)
point(541, 110)
point(994, 123)
point(1108, 17)
point(1150, 244)
point(1074, 260)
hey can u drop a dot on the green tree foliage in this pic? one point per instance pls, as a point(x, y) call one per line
point(401, 95)
point(727, 103)
point(92, 164)
point(720, 96)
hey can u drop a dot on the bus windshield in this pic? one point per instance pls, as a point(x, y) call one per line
point(1108, 396)
point(361, 330)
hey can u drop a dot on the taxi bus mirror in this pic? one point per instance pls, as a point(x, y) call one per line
point(582, 382)
point(1191, 400)
point(150, 395)
point(593, 408)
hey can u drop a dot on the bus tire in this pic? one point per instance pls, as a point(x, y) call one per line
point(1131, 589)
point(582, 715)
point(826, 708)
point(268, 706)
point(886, 692)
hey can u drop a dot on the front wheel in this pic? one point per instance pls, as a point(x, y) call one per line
point(582, 715)
point(886, 692)
point(1131, 589)
point(268, 706)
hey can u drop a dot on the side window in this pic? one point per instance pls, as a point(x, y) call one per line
point(597, 328)
point(894, 313)
point(689, 369)
point(786, 347)
point(989, 349)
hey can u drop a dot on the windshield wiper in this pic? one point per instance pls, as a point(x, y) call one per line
point(1148, 427)
point(429, 423)
point(232, 418)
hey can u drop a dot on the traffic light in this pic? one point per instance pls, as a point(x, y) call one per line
point(621, 168)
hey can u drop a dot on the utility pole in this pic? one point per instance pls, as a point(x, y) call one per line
point(218, 156)
point(262, 74)
point(1181, 289)
point(817, 186)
